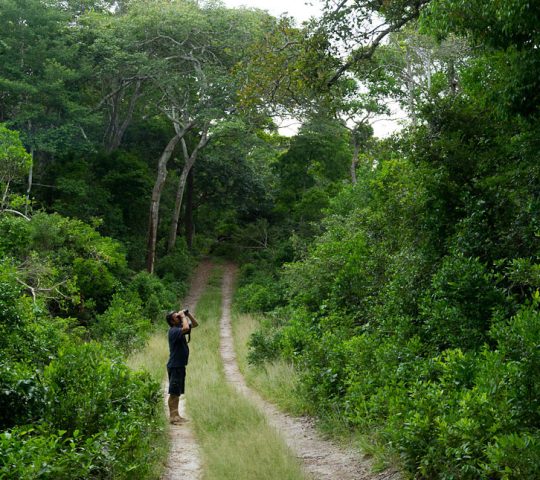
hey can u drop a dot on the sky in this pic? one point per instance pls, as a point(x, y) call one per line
point(295, 8)
point(302, 10)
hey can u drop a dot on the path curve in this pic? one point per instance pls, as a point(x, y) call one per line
point(184, 462)
point(321, 458)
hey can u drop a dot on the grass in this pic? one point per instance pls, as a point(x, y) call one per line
point(278, 381)
point(154, 356)
point(153, 359)
point(235, 439)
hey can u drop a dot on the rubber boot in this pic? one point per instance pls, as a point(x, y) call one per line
point(174, 416)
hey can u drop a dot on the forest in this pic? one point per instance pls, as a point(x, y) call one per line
point(398, 276)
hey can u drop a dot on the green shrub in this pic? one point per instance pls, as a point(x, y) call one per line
point(518, 340)
point(153, 309)
point(21, 395)
point(32, 452)
point(264, 343)
point(156, 297)
point(259, 298)
point(94, 281)
point(513, 456)
point(14, 235)
point(458, 310)
point(123, 324)
point(99, 398)
point(88, 391)
point(175, 266)
point(145, 285)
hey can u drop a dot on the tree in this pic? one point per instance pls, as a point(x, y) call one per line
point(37, 77)
point(15, 162)
point(359, 27)
point(194, 50)
point(414, 68)
point(311, 170)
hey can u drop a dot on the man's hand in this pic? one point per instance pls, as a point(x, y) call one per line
point(185, 323)
point(194, 322)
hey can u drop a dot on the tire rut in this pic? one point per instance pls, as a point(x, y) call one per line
point(322, 459)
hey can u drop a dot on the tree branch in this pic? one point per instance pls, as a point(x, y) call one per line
point(9, 210)
point(364, 53)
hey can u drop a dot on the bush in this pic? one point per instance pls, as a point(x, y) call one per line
point(21, 395)
point(33, 452)
point(97, 398)
point(14, 235)
point(264, 343)
point(258, 298)
point(513, 456)
point(518, 341)
point(70, 409)
point(123, 324)
point(90, 392)
point(457, 312)
point(155, 296)
point(91, 417)
point(175, 268)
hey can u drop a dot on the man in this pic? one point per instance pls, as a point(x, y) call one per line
point(180, 324)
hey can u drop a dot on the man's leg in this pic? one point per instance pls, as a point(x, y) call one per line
point(176, 388)
point(174, 416)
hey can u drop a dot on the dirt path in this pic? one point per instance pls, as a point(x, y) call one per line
point(321, 458)
point(184, 462)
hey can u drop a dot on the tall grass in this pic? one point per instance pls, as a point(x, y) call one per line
point(277, 381)
point(235, 439)
point(153, 359)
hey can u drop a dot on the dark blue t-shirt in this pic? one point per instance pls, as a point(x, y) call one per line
point(178, 348)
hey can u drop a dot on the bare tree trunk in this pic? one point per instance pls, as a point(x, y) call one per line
point(154, 202)
point(30, 176)
point(410, 86)
point(354, 162)
point(188, 220)
point(4, 196)
point(452, 77)
point(153, 218)
point(189, 161)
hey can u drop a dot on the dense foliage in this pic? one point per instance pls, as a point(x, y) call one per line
point(414, 312)
point(401, 276)
point(69, 313)
point(95, 97)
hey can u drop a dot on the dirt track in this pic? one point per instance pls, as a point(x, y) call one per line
point(321, 458)
point(184, 462)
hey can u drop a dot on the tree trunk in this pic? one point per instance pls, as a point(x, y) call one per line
point(173, 232)
point(189, 161)
point(354, 162)
point(452, 78)
point(154, 203)
point(410, 86)
point(115, 131)
point(4, 196)
point(30, 176)
point(188, 219)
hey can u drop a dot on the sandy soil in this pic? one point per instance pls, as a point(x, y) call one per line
point(321, 458)
point(184, 462)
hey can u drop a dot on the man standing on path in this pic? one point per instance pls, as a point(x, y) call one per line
point(180, 324)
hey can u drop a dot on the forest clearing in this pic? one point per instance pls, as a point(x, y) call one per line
point(368, 297)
